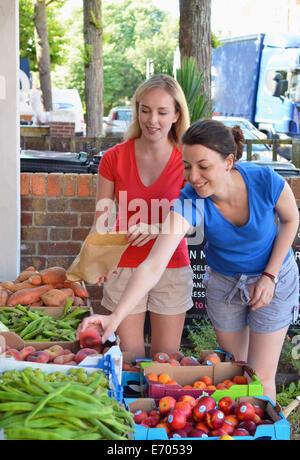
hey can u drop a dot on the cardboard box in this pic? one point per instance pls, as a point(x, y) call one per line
point(186, 375)
point(12, 340)
point(133, 381)
point(279, 430)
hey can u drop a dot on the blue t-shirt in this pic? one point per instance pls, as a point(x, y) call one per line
point(229, 249)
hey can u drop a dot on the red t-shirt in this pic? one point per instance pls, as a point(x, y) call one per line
point(137, 202)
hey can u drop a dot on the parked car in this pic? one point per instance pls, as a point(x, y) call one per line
point(117, 122)
point(261, 153)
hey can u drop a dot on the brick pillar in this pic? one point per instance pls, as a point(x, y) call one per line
point(61, 129)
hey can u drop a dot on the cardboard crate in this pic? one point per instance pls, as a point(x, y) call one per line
point(279, 430)
point(12, 340)
point(186, 375)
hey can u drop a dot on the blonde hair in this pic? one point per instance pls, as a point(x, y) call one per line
point(172, 87)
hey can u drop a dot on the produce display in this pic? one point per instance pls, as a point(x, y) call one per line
point(48, 287)
point(35, 405)
point(203, 417)
point(36, 325)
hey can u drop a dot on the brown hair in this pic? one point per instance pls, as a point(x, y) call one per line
point(214, 135)
point(172, 87)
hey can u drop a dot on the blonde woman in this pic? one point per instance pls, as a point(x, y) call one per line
point(145, 175)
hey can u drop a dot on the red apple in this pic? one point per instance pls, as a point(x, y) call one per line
point(214, 418)
point(245, 411)
point(139, 416)
point(240, 432)
point(249, 426)
point(177, 419)
point(227, 405)
point(165, 404)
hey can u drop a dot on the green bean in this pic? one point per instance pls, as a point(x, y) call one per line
point(23, 433)
point(16, 407)
point(107, 432)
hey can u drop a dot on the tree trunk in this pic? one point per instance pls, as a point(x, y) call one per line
point(93, 66)
point(195, 36)
point(43, 51)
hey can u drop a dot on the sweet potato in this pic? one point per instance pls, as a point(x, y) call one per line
point(78, 289)
point(78, 302)
point(35, 279)
point(55, 298)
point(26, 274)
point(53, 275)
point(7, 285)
point(3, 296)
point(28, 296)
point(69, 293)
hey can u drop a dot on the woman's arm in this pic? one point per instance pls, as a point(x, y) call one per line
point(262, 292)
point(146, 276)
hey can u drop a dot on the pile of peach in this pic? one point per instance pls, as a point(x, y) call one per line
point(54, 354)
point(203, 383)
point(178, 359)
point(203, 417)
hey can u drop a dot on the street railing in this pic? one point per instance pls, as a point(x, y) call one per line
point(275, 145)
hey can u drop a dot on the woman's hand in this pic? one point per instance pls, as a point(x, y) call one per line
point(142, 233)
point(108, 324)
point(261, 292)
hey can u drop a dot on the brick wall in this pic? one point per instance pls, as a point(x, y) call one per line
point(56, 215)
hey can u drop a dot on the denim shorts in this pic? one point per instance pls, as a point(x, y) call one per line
point(227, 299)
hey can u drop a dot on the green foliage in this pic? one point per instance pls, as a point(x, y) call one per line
point(202, 335)
point(191, 78)
point(288, 394)
point(56, 33)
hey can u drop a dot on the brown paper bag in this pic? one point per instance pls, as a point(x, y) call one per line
point(99, 256)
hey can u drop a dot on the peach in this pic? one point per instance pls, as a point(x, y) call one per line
point(39, 357)
point(195, 433)
point(189, 361)
point(227, 405)
point(207, 380)
point(177, 419)
point(228, 383)
point(187, 387)
point(202, 426)
point(189, 399)
point(139, 416)
point(211, 387)
point(54, 351)
point(218, 432)
point(161, 357)
point(240, 432)
point(245, 411)
point(172, 382)
point(259, 411)
point(83, 353)
point(221, 386)
point(185, 407)
point(248, 425)
point(228, 427)
point(64, 359)
point(214, 418)
point(165, 426)
point(204, 404)
point(25, 352)
point(164, 378)
point(14, 353)
point(232, 419)
point(173, 362)
point(90, 338)
point(212, 359)
point(177, 356)
point(154, 420)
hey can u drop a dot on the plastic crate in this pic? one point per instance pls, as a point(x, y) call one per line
point(278, 431)
point(187, 374)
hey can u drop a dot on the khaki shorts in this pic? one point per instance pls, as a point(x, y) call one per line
point(172, 294)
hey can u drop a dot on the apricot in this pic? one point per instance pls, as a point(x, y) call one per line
point(199, 385)
point(221, 386)
point(153, 377)
point(228, 383)
point(172, 382)
point(164, 378)
point(207, 380)
point(211, 387)
point(187, 387)
point(240, 380)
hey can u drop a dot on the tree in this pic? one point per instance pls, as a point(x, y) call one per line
point(195, 36)
point(41, 40)
point(92, 13)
